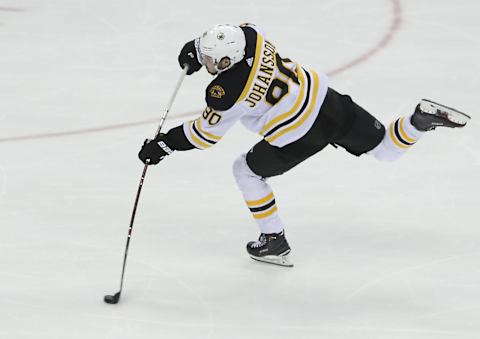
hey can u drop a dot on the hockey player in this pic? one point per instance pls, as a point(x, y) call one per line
point(293, 109)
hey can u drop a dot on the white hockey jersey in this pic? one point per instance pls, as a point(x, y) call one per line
point(274, 97)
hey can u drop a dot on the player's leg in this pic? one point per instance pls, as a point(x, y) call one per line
point(258, 196)
point(272, 246)
point(368, 135)
point(398, 138)
point(251, 171)
point(363, 132)
point(406, 131)
point(429, 115)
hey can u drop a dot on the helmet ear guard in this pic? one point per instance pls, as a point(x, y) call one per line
point(224, 44)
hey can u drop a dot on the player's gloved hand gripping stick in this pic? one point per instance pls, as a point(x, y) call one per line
point(113, 299)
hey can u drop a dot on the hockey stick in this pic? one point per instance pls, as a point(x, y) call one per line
point(113, 299)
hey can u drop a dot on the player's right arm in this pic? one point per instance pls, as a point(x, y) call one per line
point(205, 131)
point(201, 133)
point(220, 114)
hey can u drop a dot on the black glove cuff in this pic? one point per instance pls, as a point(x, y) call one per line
point(165, 147)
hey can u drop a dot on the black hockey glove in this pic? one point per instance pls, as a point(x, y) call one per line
point(154, 150)
point(188, 56)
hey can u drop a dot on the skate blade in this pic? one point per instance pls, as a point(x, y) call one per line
point(453, 115)
point(280, 260)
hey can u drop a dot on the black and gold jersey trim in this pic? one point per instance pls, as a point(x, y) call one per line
point(200, 140)
point(297, 115)
point(200, 135)
point(301, 118)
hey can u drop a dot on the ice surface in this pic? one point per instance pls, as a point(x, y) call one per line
point(381, 250)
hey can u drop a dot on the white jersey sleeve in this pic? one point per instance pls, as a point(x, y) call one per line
point(210, 127)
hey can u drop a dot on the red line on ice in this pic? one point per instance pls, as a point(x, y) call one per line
point(11, 9)
point(392, 30)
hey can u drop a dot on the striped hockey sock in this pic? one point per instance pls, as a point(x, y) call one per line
point(399, 137)
point(258, 196)
point(265, 212)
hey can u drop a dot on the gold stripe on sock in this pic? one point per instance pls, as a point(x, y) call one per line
point(394, 138)
point(262, 201)
point(403, 133)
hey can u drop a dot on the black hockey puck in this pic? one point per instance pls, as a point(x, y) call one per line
point(112, 299)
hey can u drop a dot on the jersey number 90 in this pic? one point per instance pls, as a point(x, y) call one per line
point(211, 116)
point(279, 88)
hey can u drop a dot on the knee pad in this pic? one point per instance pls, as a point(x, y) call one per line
point(242, 173)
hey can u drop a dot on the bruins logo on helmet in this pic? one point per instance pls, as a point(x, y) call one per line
point(217, 91)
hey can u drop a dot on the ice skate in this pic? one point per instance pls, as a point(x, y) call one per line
point(270, 248)
point(429, 115)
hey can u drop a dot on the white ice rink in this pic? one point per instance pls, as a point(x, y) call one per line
point(381, 250)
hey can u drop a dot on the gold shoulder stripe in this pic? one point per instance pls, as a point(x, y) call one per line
point(295, 107)
point(304, 115)
point(253, 71)
point(262, 201)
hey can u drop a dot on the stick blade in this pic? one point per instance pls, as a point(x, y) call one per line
point(112, 299)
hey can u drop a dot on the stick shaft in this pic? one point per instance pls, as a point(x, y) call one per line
point(144, 172)
point(170, 103)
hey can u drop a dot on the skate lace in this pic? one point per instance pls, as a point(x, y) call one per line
point(262, 240)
